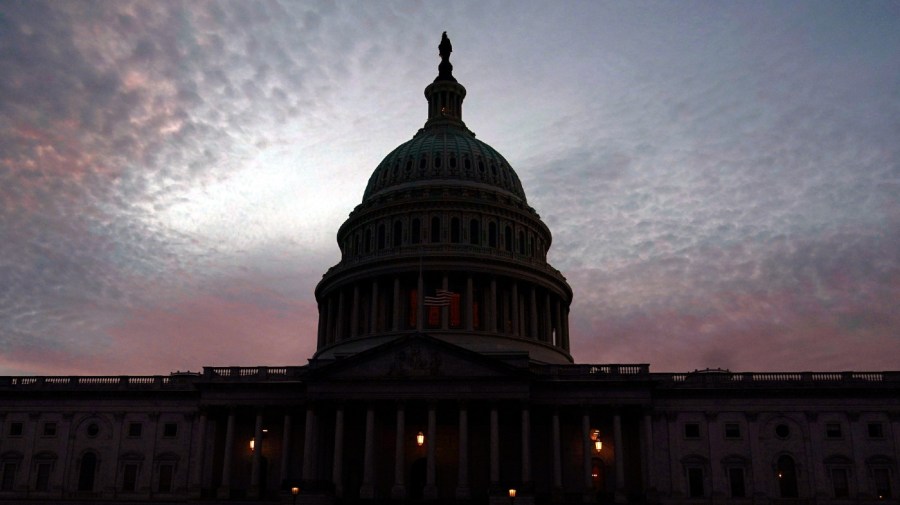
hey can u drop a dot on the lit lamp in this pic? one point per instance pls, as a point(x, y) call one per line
point(420, 439)
point(512, 496)
point(252, 444)
point(294, 492)
point(598, 445)
point(595, 438)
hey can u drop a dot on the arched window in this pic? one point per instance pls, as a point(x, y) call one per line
point(368, 240)
point(474, 232)
point(508, 238)
point(786, 473)
point(435, 229)
point(381, 236)
point(454, 230)
point(87, 472)
point(397, 236)
point(492, 234)
point(437, 162)
point(521, 242)
point(415, 232)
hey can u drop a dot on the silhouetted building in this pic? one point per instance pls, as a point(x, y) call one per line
point(443, 374)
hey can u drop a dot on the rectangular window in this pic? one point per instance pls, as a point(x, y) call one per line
point(134, 430)
point(165, 478)
point(49, 429)
point(882, 477)
point(736, 480)
point(840, 483)
point(170, 430)
point(695, 482)
point(833, 430)
point(9, 477)
point(42, 481)
point(15, 429)
point(691, 430)
point(876, 430)
point(732, 431)
point(129, 477)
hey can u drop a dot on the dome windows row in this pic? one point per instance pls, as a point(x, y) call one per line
point(439, 229)
point(479, 169)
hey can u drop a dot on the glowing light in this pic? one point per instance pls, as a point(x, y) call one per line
point(512, 493)
point(295, 490)
point(252, 444)
point(420, 439)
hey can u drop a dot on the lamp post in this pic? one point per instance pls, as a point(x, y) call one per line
point(294, 492)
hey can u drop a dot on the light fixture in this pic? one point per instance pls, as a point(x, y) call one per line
point(295, 490)
point(595, 438)
point(420, 439)
point(598, 445)
point(252, 444)
point(512, 493)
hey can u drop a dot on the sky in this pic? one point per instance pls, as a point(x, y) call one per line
point(721, 178)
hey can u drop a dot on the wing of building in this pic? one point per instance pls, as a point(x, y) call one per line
point(443, 375)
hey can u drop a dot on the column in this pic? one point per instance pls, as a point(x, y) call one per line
point(445, 310)
point(470, 294)
point(648, 452)
point(398, 492)
point(200, 460)
point(395, 323)
point(286, 450)
point(495, 448)
point(308, 442)
point(430, 492)
point(367, 491)
point(354, 312)
point(586, 451)
point(548, 320)
point(257, 456)
point(340, 324)
point(373, 315)
point(620, 462)
point(462, 487)
point(493, 301)
point(557, 452)
point(534, 315)
point(329, 321)
point(526, 447)
point(515, 309)
point(337, 469)
point(420, 302)
point(225, 488)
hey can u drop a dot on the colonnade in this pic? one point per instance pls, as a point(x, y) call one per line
point(472, 303)
point(324, 452)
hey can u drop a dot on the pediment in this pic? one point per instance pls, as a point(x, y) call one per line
point(417, 357)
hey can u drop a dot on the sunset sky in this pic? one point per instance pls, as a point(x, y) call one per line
point(721, 178)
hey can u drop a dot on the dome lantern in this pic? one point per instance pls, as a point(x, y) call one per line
point(444, 95)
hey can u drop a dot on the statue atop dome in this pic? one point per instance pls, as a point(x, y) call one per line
point(445, 69)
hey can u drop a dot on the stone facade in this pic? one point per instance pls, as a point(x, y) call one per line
point(443, 375)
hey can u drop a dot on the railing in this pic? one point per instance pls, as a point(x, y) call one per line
point(95, 381)
point(253, 372)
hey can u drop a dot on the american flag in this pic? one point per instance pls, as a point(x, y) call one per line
point(442, 298)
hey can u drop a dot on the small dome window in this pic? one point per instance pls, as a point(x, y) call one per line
point(437, 162)
point(480, 166)
point(422, 163)
point(93, 430)
point(466, 163)
point(453, 162)
point(408, 165)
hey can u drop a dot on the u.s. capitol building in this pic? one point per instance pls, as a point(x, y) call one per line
point(443, 374)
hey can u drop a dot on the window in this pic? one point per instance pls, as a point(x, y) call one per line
point(882, 478)
point(42, 480)
point(833, 430)
point(435, 230)
point(454, 230)
point(87, 471)
point(782, 431)
point(415, 233)
point(786, 473)
point(492, 234)
point(367, 241)
point(93, 430)
point(49, 429)
point(695, 483)
point(15, 429)
point(8, 480)
point(129, 477)
point(166, 470)
point(134, 429)
point(170, 430)
point(691, 430)
point(839, 482)
point(876, 430)
point(380, 235)
point(397, 236)
point(732, 431)
point(474, 232)
point(521, 242)
point(736, 482)
point(508, 239)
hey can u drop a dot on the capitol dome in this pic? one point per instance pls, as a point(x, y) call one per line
point(444, 243)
